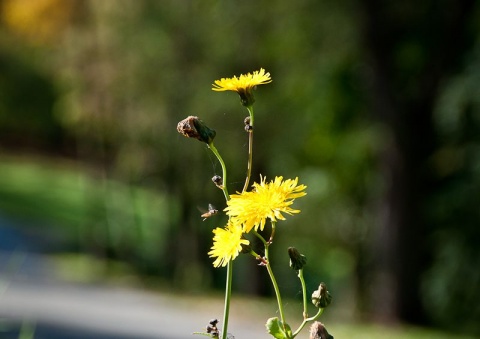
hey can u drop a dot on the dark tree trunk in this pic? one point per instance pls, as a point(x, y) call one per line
point(410, 46)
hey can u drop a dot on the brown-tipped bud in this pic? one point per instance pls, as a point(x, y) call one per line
point(297, 260)
point(321, 298)
point(318, 331)
point(218, 181)
point(193, 127)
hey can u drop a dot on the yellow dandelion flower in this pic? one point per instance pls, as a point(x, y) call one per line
point(243, 85)
point(227, 244)
point(265, 201)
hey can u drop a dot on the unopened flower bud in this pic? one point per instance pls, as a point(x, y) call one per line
point(218, 181)
point(193, 127)
point(297, 260)
point(321, 298)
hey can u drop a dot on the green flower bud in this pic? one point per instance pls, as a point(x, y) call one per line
point(193, 127)
point(246, 96)
point(297, 260)
point(321, 298)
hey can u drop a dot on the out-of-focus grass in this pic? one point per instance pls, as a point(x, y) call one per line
point(83, 205)
point(35, 189)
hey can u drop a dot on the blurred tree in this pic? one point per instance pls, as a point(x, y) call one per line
point(27, 96)
point(412, 48)
point(27, 105)
point(451, 286)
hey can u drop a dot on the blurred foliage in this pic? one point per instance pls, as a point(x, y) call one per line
point(105, 82)
point(454, 208)
point(38, 21)
point(103, 217)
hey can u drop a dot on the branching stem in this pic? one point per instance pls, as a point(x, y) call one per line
point(224, 170)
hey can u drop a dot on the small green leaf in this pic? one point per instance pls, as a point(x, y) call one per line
point(275, 328)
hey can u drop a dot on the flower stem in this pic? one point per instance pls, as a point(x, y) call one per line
point(224, 170)
point(228, 283)
point(304, 293)
point(272, 234)
point(228, 294)
point(274, 282)
point(250, 150)
point(259, 237)
point(306, 320)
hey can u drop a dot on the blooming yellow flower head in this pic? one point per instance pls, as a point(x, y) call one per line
point(265, 201)
point(227, 243)
point(243, 85)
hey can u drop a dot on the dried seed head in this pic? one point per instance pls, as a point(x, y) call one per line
point(318, 331)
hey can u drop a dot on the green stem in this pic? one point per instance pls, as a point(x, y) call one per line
point(250, 150)
point(273, 233)
point(228, 284)
point(274, 282)
point(277, 290)
point(224, 170)
point(228, 294)
point(250, 111)
point(306, 320)
point(304, 292)
point(259, 237)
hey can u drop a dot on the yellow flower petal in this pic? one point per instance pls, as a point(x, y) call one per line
point(227, 244)
point(265, 201)
point(243, 82)
point(243, 85)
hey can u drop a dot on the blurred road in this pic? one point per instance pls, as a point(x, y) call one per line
point(33, 299)
point(65, 311)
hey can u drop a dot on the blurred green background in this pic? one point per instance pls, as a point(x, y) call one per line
point(374, 105)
